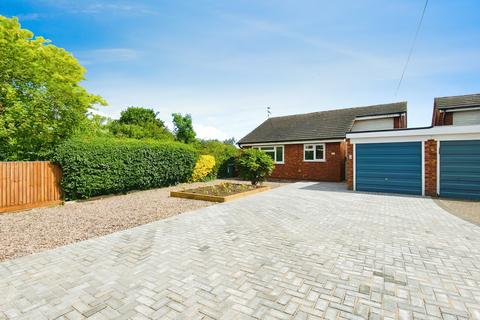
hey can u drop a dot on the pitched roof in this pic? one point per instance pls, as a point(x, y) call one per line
point(331, 124)
point(468, 100)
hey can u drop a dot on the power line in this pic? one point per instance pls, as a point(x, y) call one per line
point(412, 47)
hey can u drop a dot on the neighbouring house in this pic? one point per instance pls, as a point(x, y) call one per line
point(456, 110)
point(440, 160)
point(312, 146)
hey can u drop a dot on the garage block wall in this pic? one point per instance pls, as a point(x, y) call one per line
point(430, 154)
point(349, 165)
point(333, 169)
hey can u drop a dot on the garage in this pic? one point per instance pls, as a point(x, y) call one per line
point(389, 167)
point(460, 169)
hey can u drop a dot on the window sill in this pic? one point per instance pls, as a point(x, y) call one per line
point(314, 160)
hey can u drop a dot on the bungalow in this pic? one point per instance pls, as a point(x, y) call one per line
point(312, 146)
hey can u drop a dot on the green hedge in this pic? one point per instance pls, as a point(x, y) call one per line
point(109, 166)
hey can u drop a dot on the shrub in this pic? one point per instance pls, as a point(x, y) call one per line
point(107, 166)
point(203, 168)
point(254, 165)
point(224, 154)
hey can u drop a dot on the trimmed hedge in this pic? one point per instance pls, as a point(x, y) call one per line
point(108, 166)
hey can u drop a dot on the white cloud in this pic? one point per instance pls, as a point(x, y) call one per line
point(108, 55)
point(102, 7)
point(29, 16)
point(209, 132)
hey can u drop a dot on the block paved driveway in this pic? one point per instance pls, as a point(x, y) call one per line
point(303, 251)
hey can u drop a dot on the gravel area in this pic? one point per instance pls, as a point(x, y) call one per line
point(466, 210)
point(27, 232)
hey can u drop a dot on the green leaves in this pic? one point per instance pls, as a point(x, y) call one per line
point(224, 154)
point(41, 102)
point(254, 165)
point(183, 128)
point(107, 166)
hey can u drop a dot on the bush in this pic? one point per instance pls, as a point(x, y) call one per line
point(203, 168)
point(109, 166)
point(224, 154)
point(254, 165)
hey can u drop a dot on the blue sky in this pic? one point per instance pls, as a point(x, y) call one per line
point(226, 61)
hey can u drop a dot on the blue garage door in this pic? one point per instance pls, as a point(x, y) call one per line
point(389, 167)
point(460, 169)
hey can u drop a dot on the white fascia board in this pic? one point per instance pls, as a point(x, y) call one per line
point(289, 142)
point(382, 116)
point(461, 109)
point(423, 134)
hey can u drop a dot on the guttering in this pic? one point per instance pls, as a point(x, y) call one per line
point(417, 134)
point(381, 116)
point(266, 143)
point(458, 109)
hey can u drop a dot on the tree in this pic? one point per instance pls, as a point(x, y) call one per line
point(140, 116)
point(140, 123)
point(94, 125)
point(254, 165)
point(41, 101)
point(230, 141)
point(183, 128)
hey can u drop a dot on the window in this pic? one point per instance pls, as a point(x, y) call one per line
point(314, 152)
point(275, 152)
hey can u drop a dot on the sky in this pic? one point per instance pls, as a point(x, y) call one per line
point(225, 62)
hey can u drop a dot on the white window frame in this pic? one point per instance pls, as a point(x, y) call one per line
point(315, 152)
point(274, 147)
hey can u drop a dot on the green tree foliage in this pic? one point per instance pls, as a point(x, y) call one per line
point(94, 167)
point(225, 155)
point(93, 126)
point(140, 117)
point(140, 123)
point(254, 165)
point(41, 101)
point(230, 141)
point(183, 128)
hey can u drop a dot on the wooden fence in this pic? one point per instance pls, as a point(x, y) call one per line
point(26, 185)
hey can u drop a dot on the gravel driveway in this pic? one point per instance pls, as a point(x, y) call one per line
point(27, 232)
point(302, 251)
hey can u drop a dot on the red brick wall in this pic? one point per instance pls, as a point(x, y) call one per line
point(349, 165)
point(431, 168)
point(295, 168)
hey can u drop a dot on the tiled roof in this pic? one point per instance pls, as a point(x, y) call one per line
point(331, 124)
point(469, 100)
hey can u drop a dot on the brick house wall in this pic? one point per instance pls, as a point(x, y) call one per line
point(430, 154)
point(333, 169)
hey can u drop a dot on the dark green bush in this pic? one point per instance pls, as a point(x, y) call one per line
point(109, 166)
point(254, 165)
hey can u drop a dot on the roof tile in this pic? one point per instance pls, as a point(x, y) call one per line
point(331, 124)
